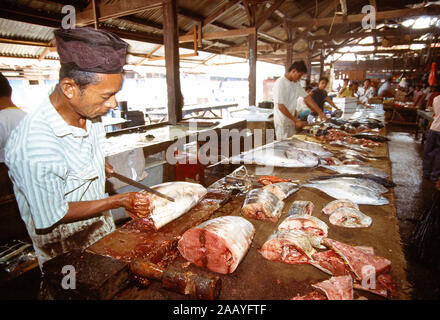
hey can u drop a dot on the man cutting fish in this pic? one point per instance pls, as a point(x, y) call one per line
point(55, 155)
point(287, 90)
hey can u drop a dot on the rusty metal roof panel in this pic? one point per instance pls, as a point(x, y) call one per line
point(21, 30)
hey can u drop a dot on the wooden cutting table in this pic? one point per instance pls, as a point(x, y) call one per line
point(259, 279)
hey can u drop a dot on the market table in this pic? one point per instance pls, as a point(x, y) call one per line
point(259, 279)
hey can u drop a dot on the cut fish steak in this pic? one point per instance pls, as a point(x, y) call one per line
point(262, 204)
point(357, 258)
point(162, 211)
point(301, 208)
point(350, 218)
point(337, 288)
point(218, 244)
point(337, 204)
point(288, 246)
point(315, 228)
point(282, 189)
point(357, 194)
point(306, 223)
point(330, 262)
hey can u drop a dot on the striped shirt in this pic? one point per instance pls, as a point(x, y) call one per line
point(50, 164)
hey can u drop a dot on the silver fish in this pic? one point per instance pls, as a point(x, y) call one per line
point(275, 157)
point(314, 147)
point(350, 218)
point(356, 169)
point(370, 184)
point(351, 146)
point(357, 194)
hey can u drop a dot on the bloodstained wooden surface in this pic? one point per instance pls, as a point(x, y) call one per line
point(260, 279)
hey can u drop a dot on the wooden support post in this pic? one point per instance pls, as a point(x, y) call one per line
point(309, 69)
point(171, 43)
point(289, 56)
point(252, 69)
point(321, 70)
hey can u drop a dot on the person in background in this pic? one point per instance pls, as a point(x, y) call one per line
point(418, 96)
point(403, 84)
point(347, 91)
point(10, 117)
point(431, 152)
point(319, 94)
point(344, 84)
point(385, 89)
point(366, 92)
point(303, 110)
point(435, 91)
point(55, 156)
point(287, 89)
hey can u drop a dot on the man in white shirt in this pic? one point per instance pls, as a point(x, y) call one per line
point(10, 114)
point(287, 90)
point(366, 92)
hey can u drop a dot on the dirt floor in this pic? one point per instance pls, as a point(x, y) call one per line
point(413, 196)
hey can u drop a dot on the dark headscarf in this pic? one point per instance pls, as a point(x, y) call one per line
point(91, 50)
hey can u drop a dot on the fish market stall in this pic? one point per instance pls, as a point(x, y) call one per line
point(281, 240)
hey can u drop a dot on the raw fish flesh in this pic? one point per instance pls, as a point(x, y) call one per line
point(262, 204)
point(218, 244)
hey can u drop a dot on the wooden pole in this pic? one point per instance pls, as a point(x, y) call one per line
point(289, 56)
point(252, 69)
point(321, 70)
point(171, 43)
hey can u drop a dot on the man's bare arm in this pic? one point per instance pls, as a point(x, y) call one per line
point(331, 103)
point(314, 107)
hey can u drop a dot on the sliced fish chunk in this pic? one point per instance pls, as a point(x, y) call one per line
point(301, 208)
point(218, 244)
point(288, 246)
point(163, 211)
point(262, 204)
point(337, 204)
point(282, 189)
point(350, 218)
point(315, 228)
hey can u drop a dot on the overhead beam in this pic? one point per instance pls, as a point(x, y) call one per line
point(220, 34)
point(433, 10)
point(329, 8)
point(268, 13)
point(220, 11)
point(116, 10)
point(376, 33)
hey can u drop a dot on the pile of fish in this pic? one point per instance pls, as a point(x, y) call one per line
point(162, 211)
point(344, 213)
point(339, 135)
point(300, 235)
point(218, 244)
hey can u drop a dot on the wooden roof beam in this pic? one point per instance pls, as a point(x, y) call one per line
point(220, 11)
point(376, 33)
point(357, 18)
point(116, 10)
point(234, 33)
point(268, 13)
